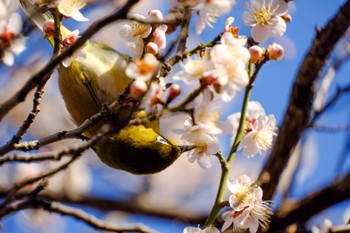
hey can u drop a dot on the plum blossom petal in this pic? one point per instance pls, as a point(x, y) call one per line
point(265, 18)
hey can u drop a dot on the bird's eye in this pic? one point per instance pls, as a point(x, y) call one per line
point(162, 140)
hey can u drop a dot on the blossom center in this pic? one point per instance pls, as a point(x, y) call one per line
point(263, 16)
point(144, 67)
point(244, 195)
point(139, 29)
point(264, 139)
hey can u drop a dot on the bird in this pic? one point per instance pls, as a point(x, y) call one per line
point(99, 79)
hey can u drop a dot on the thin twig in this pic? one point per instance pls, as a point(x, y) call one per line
point(10, 145)
point(76, 152)
point(340, 92)
point(76, 213)
point(331, 129)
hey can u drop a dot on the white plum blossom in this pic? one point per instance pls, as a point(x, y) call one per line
point(230, 60)
point(248, 210)
point(71, 9)
point(144, 68)
point(134, 33)
point(259, 129)
point(264, 16)
point(204, 138)
point(12, 41)
point(224, 67)
point(203, 129)
point(137, 34)
point(193, 69)
point(198, 230)
point(209, 10)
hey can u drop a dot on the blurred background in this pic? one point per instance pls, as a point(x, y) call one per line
point(184, 189)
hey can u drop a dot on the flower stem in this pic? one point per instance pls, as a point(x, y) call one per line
point(225, 169)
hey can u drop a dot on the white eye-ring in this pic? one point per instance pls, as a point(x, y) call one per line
point(162, 140)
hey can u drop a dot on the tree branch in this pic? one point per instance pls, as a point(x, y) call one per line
point(301, 211)
point(297, 115)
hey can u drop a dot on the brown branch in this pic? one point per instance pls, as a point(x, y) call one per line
point(128, 205)
point(331, 129)
point(43, 75)
point(32, 200)
point(297, 115)
point(301, 211)
point(76, 213)
point(76, 152)
point(184, 33)
point(10, 145)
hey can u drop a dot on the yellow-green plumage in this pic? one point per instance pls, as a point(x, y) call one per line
point(138, 150)
point(99, 78)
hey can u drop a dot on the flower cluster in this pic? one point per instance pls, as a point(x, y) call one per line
point(258, 131)
point(145, 38)
point(12, 42)
point(248, 210)
point(202, 130)
point(224, 67)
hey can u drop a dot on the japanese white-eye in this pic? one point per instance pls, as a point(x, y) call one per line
point(99, 78)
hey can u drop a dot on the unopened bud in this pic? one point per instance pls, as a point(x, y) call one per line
point(152, 48)
point(138, 88)
point(155, 15)
point(157, 98)
point(174, 91)
point(208, 80)
point(275, 51)
point(287, 18)
point(48, 28)
point(256, 53)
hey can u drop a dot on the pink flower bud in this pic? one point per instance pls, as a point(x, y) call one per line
point(287, 18)
point(48, 28)
point(159, 36)
point(256, 53)
point(174, 91)
point(157, 98)
point(138, 88)
point(155, 15)
point(152, 48)
point(275, 51)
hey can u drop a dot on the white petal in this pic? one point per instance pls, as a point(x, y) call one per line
point(204, 161)
point(18, 45)
point(211, 230)
point(15, 23)
point(8, 58)
point(78, 16)
point(278, 27)
point(260, 33)
point(248, 19)
point(192, 230)
point(192, 156)
point(282, 7)
point(227, 216)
